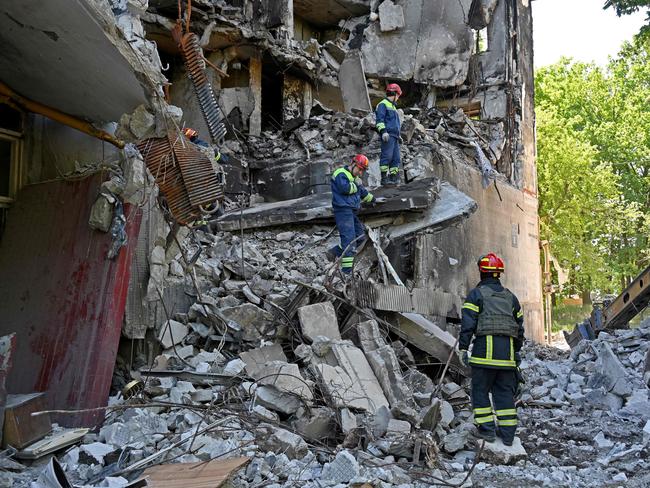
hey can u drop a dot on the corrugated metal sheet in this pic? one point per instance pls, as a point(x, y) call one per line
point(396, 298)
point(61, 295)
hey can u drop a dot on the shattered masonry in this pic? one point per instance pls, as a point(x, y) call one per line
point(242, 325)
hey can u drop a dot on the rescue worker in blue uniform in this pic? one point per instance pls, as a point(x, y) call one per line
point(388, 126)
point(493, 316)
point(347, 195)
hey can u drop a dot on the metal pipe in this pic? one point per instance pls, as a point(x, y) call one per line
point(54, 114)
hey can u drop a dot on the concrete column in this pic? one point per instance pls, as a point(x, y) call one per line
point(255, 74)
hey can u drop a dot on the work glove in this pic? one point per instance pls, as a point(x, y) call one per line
point(380, 200)
point(464, 357)
point(385, 137)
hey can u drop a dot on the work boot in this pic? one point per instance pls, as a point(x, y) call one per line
point(487, 435)
point(331, 255)
point(507, 442)
point(394, 179)
point(385, 178)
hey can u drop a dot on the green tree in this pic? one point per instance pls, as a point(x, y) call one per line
point(627, 7)
point(594, 135)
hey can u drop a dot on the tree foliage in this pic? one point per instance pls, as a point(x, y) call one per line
point(627, 7)
point(594, 166)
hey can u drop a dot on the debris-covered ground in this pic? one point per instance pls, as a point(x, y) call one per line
point(269, 365)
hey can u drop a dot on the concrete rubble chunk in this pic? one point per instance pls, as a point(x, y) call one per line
point(455, 441)
point(235, 367)
point(273, 399)
point(97, 451)
point(398, 427)
point(285, 377)
point(391, 16)
point(318, 425)
point(266, 414)
point(255, 359)
point(349, 420)
point(612, 372)
point(172, 333)
point(101, 214)
point(342, 469)
point(283, 441)
point(253, 320)
point(351, 383)
point(319, 319)
point(498, 453)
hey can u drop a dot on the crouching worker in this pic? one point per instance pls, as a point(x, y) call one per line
point(493, 316)
point(347, 195)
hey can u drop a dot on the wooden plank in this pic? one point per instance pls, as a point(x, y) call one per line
point(212, 474)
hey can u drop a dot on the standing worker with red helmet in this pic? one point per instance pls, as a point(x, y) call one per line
point(347, 195)
point(388, 126)
point(493, 316)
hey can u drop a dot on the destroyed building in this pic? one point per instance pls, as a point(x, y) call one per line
point(99, 247)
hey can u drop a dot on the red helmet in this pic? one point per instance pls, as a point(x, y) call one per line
point(394, 88)
point(361, 162)
point(189, 132)
point(491, 263)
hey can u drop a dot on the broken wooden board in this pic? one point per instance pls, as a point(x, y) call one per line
point(395, 298)
point(428, 337)
point(212, 474)
point(52, 443)
point(416, 196)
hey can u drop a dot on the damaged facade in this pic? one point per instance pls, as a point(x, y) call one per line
point(99, 248)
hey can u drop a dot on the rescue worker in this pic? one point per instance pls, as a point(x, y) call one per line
point(193, 136)
point(493, 316)
point(388, 126)
point(347, 195)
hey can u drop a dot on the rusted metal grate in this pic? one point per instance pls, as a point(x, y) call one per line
point(195, 65)
point(184, 175)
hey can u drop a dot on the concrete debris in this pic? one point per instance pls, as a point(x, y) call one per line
point(319, 319)
point(172, 333)
point(498, 453)
point(101, 214)
point(343, 469)
point(391, 16)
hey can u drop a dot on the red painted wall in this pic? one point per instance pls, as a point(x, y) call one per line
point(62, 296)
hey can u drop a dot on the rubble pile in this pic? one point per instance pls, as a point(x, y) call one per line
point(313, 393)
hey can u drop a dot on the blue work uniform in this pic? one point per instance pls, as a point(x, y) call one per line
point(347, 196)
point(495, 357)
point(387, 120)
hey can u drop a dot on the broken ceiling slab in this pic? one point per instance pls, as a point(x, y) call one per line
point(353, 83)
point(418, 195)
point(324, 13)
point(450, 206)
point(60, 60)
point(395, 298)
point(319, 319)
point(255, 359)
point(427, 336)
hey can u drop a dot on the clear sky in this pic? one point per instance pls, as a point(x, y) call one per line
point(580, 29)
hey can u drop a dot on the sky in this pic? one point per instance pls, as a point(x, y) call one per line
point(580, 29)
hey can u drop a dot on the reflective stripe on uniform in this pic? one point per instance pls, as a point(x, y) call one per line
point(512, 349)
point(218, 156)
point(367, 198)
point(353, 188)
point(394, 171)
point(506, 412)
point(489, 344)
point(381, 126)
point(347, 262)
point(483, 420)
point(492, 362)
point(345, 171)
point(383, 169)
point(470, 306)
point(507, 423)
point(388, 103)
point(482, 410)
point(520, 314)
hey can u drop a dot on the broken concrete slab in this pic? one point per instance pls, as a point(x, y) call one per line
point(255, 359)
point(286, 378)
point(498, 453)
point(282, 441)
point(351, 383)
point(253, 320)
point(342, 469)
point(610, 373)
point(319, 319)
point(172, 333)
point(391, 16)
point(384, 364)
point(273, 399)
point(318, 425)
point(415, 196)
point(352, 80)
point(428, 337)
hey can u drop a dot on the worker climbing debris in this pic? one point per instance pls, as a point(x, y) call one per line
point(347, 195)
point(493, 315)
point(388, 127)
